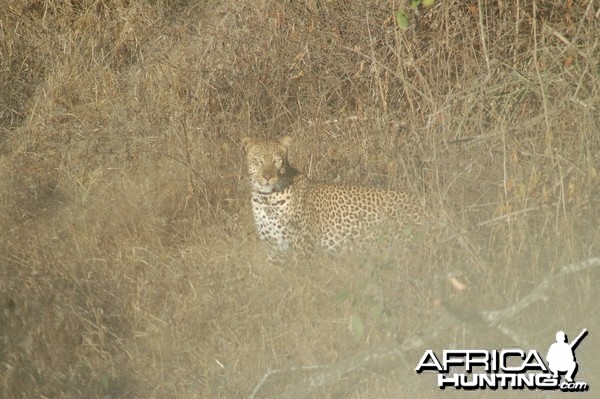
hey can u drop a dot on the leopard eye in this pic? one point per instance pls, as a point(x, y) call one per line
point(278, 162)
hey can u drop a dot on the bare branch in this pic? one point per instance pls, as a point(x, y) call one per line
point(539, 292)
point(330, 374)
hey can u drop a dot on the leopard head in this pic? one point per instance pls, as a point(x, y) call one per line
point(268, 164)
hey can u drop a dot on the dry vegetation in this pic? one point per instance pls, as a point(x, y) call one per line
point(129, 266)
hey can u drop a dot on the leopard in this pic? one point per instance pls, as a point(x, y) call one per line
point(294, 212)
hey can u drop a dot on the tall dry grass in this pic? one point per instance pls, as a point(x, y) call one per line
point(129, 262)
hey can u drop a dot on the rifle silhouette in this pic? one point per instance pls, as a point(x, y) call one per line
point(579, 338)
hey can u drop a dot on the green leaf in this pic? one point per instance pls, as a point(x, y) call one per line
point(377, 310)
point(342, 296)
point(357, 327)
point(428, 3)
point(402, 19)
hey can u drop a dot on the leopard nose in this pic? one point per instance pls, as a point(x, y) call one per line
point(267, 175)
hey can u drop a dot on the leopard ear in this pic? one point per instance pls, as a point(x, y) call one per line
point(285, 141)
point(247, 142)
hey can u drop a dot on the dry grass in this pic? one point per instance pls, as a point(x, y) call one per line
point(129, 263)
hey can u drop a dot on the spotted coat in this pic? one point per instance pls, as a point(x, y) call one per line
point(291, 211)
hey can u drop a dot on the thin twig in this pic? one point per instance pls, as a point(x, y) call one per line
point(483, 42)
point(502, 218)
point(565, 40)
